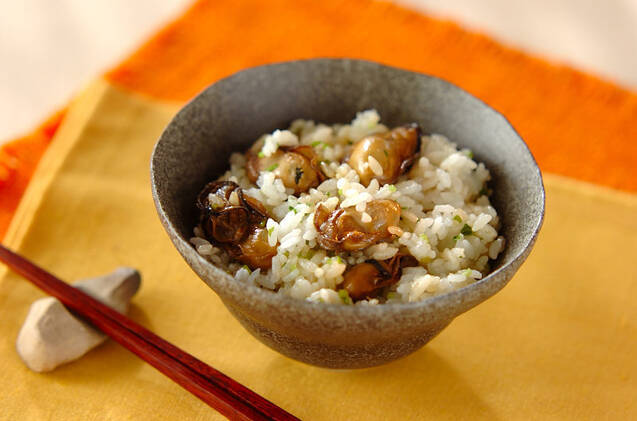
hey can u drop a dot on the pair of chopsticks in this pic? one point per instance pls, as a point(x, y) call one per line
point(227, 396)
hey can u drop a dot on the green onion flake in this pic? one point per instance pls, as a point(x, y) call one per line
point(272, 167)
point(336, 259)
point(457, 218)
point(344, 295)
point(466, 230)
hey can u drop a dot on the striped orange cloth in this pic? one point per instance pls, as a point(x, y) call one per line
point(575, 124)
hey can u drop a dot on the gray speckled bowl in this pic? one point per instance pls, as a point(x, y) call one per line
point(229, 115)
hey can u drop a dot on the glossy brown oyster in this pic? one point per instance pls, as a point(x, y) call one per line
point(365, 280)
point(343, 229)
point(297, 167)
point(394, 151)
point(236, 223)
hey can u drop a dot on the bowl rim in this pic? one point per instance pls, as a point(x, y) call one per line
point(270, 298)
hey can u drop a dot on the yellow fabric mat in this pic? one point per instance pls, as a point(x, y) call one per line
point(559, 342)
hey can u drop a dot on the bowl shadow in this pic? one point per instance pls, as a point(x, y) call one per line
point(422, 384)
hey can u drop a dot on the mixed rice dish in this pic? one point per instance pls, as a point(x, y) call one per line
point(351, 214)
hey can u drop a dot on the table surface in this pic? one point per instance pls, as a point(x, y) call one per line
point(49, 50)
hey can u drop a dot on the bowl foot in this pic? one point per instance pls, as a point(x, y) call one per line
point(345, 355)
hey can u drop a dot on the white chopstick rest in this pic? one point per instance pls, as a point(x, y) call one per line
point(51, 335)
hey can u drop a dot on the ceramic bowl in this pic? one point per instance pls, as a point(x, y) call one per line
point(230, 114)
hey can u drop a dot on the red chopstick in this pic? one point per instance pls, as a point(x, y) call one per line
point(227, 396)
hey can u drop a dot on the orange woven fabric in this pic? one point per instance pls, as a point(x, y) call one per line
point(18, 160)
point(575, 124)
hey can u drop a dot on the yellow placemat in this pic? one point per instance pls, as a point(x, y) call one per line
point(559, 342)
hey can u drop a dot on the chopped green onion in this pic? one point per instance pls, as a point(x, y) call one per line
point(292, 209)
point(262, 223)
point(457, 237)
point(469, 153)
point(307, 255)
point(392, 295)
point(457, 218)
point(466, 230)
point(336, 259)
point(318, 142)
point(246, 268)
point(345, 298)
point(272, 167)
point(327, 194)
point(270, 230)
point(391, 188)
point(340, 192)
point(424, 237)
point(468, 272)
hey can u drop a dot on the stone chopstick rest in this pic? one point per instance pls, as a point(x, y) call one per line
point(52, 336)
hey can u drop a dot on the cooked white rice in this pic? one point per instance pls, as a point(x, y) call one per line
point(442, 193)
